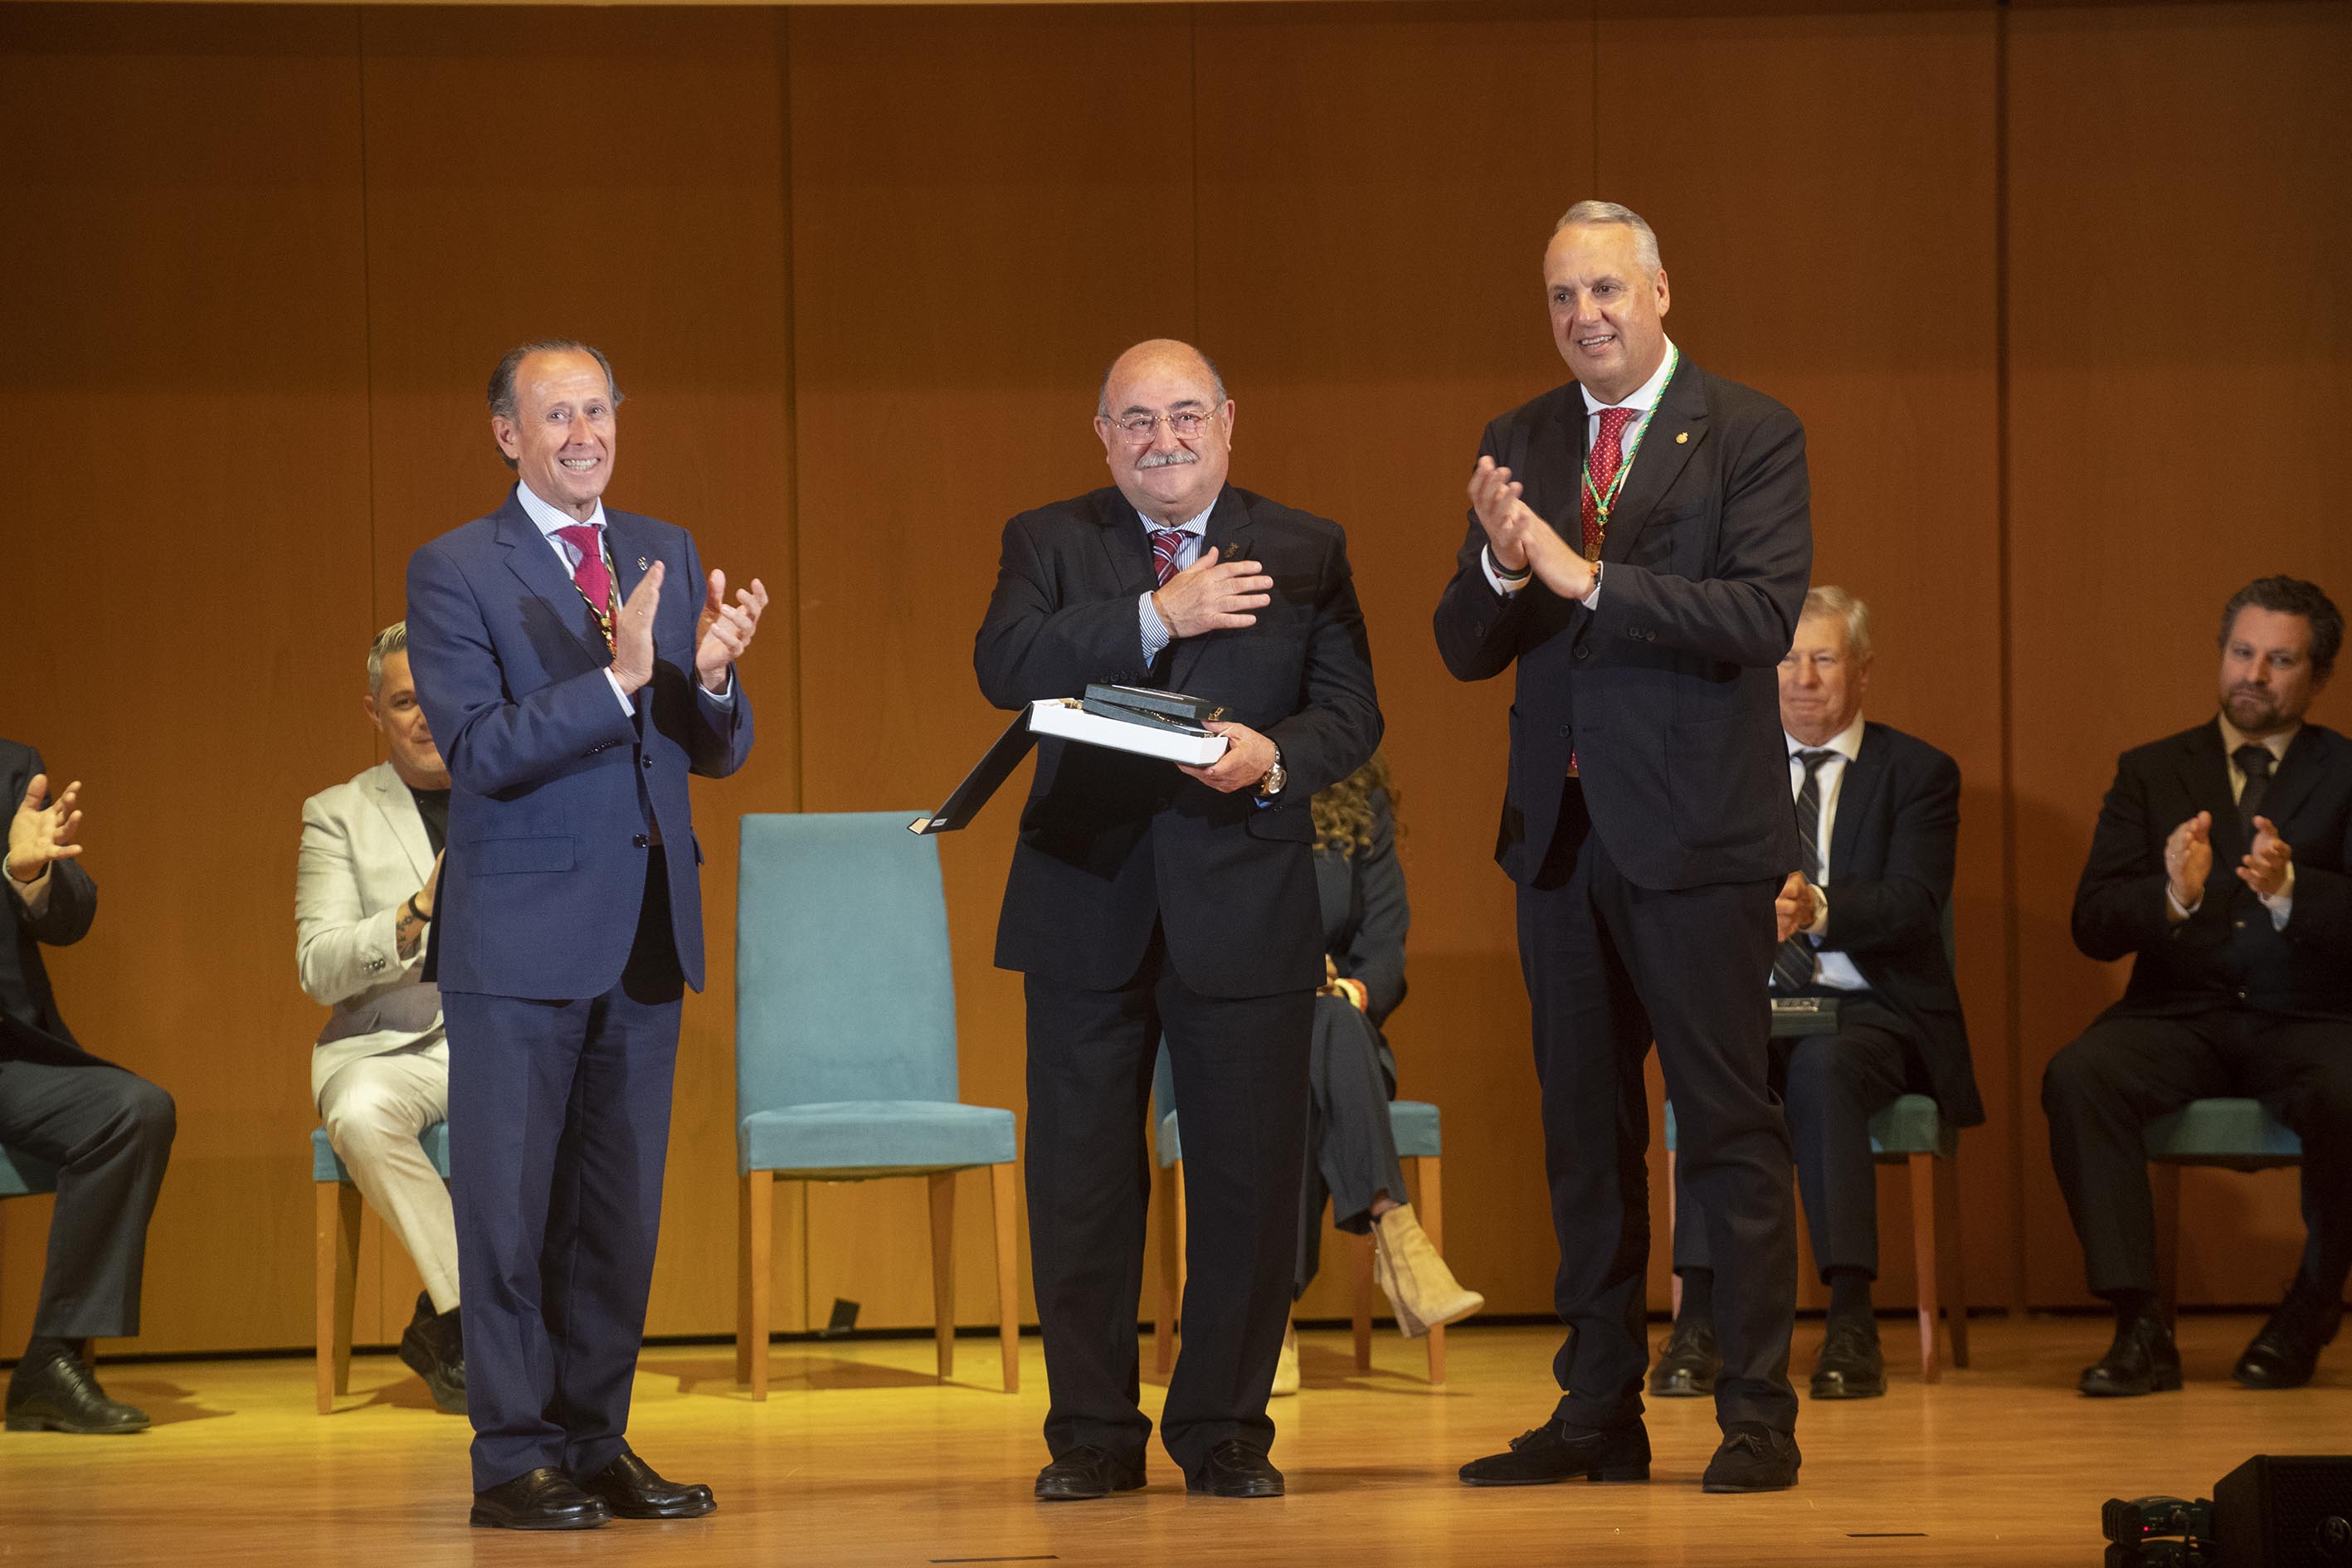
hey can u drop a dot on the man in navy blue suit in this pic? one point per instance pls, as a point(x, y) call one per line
point(560, 659)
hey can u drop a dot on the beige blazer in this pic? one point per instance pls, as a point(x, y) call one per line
point(364, 850)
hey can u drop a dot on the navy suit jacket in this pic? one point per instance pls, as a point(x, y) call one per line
point(29, 1024)
point(1113, 844)
point(556, 790)
point(1891, 854)
point(2226, 954)
point(1664, 693)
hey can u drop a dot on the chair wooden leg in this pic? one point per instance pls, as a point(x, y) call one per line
point(2164, 1186)
point(1172, 1247)
point(1360, 1270)
point(755, 1238)
point(943, 1269)
point(1001, 1198)
point(1673, 1281)
point(1432, 1222)
point(1923, 1257)
point(1948, 1242)
point(1183, 1241)
point(337, 1245)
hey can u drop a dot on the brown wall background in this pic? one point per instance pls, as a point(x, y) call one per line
point(859, 270)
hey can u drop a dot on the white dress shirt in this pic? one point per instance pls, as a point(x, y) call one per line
point(1641, 400)
point(1831, 968)
point(2281, 904)
point(548, 519)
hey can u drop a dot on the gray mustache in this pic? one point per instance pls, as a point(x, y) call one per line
point(1167, 459)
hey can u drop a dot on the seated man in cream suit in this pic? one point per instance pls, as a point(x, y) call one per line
point(370, 867)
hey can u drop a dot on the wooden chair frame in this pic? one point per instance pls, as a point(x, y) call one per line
point(755, 1269)
point(1424, 1173)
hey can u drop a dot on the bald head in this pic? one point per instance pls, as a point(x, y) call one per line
point(1167, 429)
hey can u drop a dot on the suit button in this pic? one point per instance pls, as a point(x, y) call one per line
point(648, 762)
point(640, 840)
point(1583, 652)
point(2240, 924)
point(1565, 731)
point(2242, 995)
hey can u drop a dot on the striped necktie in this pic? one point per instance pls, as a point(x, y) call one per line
point(1166, 545)
point(1792, 965)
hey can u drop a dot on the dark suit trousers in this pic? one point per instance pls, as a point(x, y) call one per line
point(1610, 967)
point(1240, 1067)
point(558, 1124)
point(2124, 1071)
point(1830, 1086)
point(109, 1132)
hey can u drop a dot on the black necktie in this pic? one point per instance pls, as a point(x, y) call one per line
point(2254, 761)
point(1792, 965)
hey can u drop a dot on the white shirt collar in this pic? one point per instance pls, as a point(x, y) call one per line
point(1847, 742)
point(1643, 395)
point(1197, 524)
point(548, 519)
point(2232, 737)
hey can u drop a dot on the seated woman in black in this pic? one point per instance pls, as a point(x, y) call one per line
point(1351, 1157)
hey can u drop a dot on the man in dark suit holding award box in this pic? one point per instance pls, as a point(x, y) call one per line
point(1147, 897)
point(1646, 823)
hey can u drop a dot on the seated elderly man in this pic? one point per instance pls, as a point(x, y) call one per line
point(108, 1131)
point(1878, 819)
point(2219, 867)
point(370, 866)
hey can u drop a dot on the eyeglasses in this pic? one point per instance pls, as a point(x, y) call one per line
point(1184, 423)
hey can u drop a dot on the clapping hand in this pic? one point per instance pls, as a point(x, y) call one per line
point(723, 630)
point(43, 830)
point(1793, 910)
point(1517, 537)
point(2189, 859)
point(2265, 866)
point(632, 632)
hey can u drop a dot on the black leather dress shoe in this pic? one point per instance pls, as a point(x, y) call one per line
point(1086, 1472)
point(59, 1393)
point(434, 1348)
point(543, 1498)
point(1752, 1458)
point(1687, 1363)
point(1233, 1469)
point(2286, 1352)
point(1851, 1365)
point(631, 1490)
point(1552, 1453)
point(2142, 1359)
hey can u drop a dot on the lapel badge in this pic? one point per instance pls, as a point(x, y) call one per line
point(1680, 437)
point(641, 563)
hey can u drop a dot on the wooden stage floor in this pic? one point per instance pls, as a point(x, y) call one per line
point(862, 1457)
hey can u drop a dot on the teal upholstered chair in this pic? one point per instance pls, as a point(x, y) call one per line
point(337, 1243)
point(2235, 1134)
point(1419, 1143)
point(1910, 1132)
point(846, 1052)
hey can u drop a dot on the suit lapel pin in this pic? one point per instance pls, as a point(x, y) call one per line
point(641, 563)
point(1680, 436)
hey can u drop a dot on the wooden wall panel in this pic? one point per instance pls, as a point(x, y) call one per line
point(982, 219)
point(184, 392)
point(1826, 209)
point(619, 179)
point(2179, 336)
point(1370, 248)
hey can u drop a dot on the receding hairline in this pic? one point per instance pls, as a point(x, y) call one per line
point(1152, 349)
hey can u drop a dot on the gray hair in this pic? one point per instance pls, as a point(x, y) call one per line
point(1586, 214)
point(393, 639)
point(502, 379)
point(1102, 392)
point(1828, 600)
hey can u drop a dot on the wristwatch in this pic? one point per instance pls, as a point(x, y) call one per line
point(1275, 777)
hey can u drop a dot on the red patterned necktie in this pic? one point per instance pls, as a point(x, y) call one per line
point(1608, 452)
point(1165, 544)
point(594, 581)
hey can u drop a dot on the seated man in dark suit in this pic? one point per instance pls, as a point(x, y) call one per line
point(1878, 814)
point(108, 1131)
point(2219, 867)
